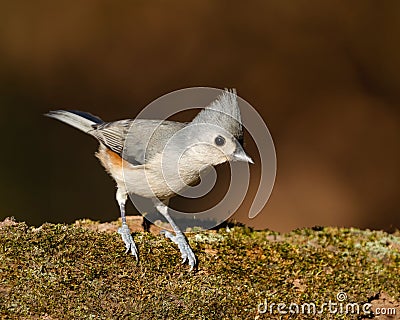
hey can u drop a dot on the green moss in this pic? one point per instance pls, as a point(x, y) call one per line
point(63, 271)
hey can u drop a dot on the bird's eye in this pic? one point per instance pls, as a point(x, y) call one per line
point(219, 141)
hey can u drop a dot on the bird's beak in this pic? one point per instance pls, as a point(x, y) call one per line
point(240, 155)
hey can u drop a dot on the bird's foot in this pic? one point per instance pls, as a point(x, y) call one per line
point(184, 247)
point(130, 245)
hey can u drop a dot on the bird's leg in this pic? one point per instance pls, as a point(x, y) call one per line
point(179, 237)
point(146, 224)
point(124, 230)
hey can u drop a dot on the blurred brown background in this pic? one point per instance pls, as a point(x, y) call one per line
point(324, 75)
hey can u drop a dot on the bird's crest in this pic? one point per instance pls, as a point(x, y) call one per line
point(223, 112)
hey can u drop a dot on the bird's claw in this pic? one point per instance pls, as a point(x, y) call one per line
point(130, 245)
point(184, 247)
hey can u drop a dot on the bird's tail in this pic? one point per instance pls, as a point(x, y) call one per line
point(81, 120)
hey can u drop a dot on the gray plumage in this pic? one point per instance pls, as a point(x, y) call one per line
point(163, 157)
point(147, 137)
point(114, 134)
point(224, 112)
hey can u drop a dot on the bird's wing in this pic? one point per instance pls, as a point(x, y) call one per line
point(138, 140)
point(112, 134)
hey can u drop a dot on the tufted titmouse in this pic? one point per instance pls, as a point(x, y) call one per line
point(157, 159)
